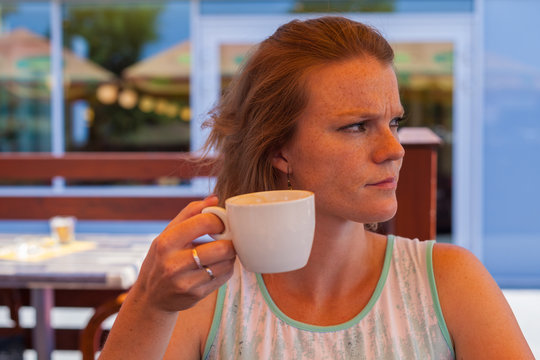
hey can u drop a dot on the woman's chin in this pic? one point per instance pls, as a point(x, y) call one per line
point(383, 214)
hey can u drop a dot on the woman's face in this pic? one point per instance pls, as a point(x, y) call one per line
point(346, 148)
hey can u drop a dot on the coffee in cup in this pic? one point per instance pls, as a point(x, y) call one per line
point(272, 231)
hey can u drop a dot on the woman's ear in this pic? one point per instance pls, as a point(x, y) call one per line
point(280, 162)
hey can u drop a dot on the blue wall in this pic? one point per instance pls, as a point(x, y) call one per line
point(511, 247)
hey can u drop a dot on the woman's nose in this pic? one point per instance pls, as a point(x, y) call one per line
point(388, 147)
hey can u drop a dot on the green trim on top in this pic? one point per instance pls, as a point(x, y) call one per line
point(435, 297)
point(215, 321)
point(315, 328)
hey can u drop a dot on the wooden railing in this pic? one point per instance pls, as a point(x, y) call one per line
point(142, 167)
point(415, 217)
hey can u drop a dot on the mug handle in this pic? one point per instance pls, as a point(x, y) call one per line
point(222, 215)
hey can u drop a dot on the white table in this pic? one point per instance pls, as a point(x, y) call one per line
point(114, 263)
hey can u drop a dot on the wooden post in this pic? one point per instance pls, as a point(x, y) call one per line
point(417, 189)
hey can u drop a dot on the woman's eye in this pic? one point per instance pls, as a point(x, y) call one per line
point(395, 122)
point(356, 127)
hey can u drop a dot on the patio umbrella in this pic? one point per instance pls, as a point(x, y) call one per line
point(420, 65)
point(167, 73)
point(25, 67)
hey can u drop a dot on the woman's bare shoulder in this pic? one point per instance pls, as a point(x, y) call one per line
point(191, 330)
point(449, 259)
point(478, 316)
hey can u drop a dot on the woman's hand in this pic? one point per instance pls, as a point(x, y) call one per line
point(170, 280)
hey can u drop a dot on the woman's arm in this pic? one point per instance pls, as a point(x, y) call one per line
point(170, 282)
point(194, 323)
point(477, 314)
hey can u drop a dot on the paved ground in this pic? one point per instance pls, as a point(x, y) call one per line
point(526, 307)
point(525, 304)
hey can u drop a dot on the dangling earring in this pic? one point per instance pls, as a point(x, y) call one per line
point(289, 185)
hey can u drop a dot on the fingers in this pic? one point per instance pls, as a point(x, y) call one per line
point(216, 260)
point(209, 285)
point(193, 209)
point(170, 271)
point(196, 207)
point(196, 284)
point(170, 288)
point(215, 251)
point(209, 254)
point(180, 235)
point(218, 270)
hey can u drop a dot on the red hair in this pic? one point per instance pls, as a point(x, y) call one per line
point(258, 112)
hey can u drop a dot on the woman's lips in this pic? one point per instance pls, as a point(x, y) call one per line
point(388, 183)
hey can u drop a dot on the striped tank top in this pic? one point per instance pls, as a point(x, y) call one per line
point(402, 320)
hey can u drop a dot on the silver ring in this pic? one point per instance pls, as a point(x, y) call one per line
point(196, 258)
point(209, 272)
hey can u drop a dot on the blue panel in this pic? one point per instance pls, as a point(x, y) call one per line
point(513, 260)
point(512, 141)
point(41, 227)
point(85, 226)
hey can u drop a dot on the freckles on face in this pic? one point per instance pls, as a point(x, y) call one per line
point(344, 139)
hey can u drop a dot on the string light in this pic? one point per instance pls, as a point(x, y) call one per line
point(107, 93)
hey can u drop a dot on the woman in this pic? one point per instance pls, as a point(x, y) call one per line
point(317, 106)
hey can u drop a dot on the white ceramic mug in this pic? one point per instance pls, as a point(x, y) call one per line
point(272, 231)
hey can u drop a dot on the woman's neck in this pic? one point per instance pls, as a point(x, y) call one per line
point(343, 270)
point(340, 249)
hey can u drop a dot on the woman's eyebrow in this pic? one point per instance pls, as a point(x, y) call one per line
point(366, 113)
point(357, 112)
